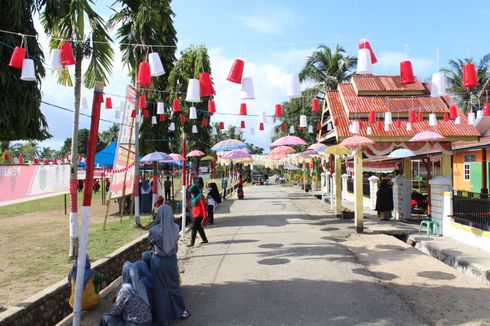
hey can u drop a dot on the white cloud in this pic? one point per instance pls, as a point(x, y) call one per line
point(269, 20)
point(269, 86)
point(390, 63)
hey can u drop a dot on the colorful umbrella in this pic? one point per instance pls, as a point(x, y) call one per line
point(155, 157)
point(318, 147)
point(196, 153)
point(337, 150)
point(308, 152)
point(288, 140)
point(228, 145)
point(174, 158)
point(356, 141)
point(282, 150)
point(207, 158)
point(426, 136)
point(276, 156)
point(402, 153)
point(236, 154)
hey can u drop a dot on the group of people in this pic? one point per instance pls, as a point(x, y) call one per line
point(150, 292)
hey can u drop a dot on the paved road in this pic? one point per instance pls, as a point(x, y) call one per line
point(271, 261)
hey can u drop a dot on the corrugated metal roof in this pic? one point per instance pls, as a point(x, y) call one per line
point(384, 84)
point(448, 129)
point(395, 104)
point(484, 142)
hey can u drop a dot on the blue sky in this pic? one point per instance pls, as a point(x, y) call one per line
point(275, 37)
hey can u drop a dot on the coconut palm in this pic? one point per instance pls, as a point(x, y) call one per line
point(66, 19)
point(326, 68)
point(465, 97)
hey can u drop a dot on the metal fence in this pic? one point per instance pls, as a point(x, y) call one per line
point(471, 208)
point(365, 187)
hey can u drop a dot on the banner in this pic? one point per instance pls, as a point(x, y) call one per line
point(125, 155)
point(20, 183)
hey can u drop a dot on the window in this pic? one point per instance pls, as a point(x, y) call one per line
point(467, 171)
point(470, 158)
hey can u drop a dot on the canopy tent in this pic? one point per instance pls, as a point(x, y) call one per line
point(105, 158)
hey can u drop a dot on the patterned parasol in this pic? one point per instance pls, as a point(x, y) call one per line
point(155, 157)
point(356, 142)
point(288, 140)
point(228, 145)
point(426, 136)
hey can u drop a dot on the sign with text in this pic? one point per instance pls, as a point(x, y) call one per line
point(20, 183)
point(125, 154)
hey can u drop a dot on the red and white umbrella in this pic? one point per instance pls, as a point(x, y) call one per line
point(282, 150)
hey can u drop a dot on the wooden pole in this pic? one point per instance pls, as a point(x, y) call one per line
point(338, 185)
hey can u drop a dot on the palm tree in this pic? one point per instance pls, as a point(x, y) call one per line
point(326, 69)
point(21, 116)
point(146, 23)
point(465, 97)
point(65, 19)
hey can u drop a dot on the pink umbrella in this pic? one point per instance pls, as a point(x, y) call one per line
point(276, 156)
point(282, 150)
point(175, 158)
point(288, 140)
point(356, 141)
point(196, 153)
point(426, 136)
point(308, 152)
point(236, 154)
point(318, 147)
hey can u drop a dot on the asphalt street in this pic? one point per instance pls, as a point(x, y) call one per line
point(270, 261)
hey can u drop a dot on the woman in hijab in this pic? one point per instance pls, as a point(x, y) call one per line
point(214, 198)
point(91, 286)
point(384, 200)
point(169, 302)
point(199, 213)
point(144, 274)
point(131, 307)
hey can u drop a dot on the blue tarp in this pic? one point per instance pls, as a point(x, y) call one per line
point(105, 158)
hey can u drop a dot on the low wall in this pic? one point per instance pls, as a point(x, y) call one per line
point(51, 305)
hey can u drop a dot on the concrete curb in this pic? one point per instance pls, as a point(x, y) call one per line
point(465, 264)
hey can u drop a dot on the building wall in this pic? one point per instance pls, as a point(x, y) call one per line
point(475, 171)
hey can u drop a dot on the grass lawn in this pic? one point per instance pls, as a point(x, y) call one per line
point(45, 204)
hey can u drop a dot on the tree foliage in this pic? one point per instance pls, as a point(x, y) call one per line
point(327, 68)
point(193, 60)
point(21, 116)
point(148, 22)
point(466, 97)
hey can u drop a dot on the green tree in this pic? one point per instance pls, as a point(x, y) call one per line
point(110, 134)
point(136, 23)
point(327, 68)
point(292, 111)
point(193, 60)
point(21, 116)
point(47, 152)
point(466, 97)
point(82, 144)
point(29, 150)
point(66, 19)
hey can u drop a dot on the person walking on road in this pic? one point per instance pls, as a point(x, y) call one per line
point(214, 198)
point(169, 301)
point(199, 214)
